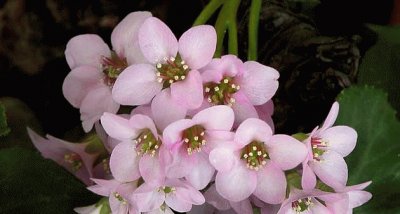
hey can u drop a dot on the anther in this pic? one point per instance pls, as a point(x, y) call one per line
point(183, 77)
point(216, 88)
point(226, 80)
point(196, 138)
point(207, 89)
point(158, 66)
point(185, 67)
point(176, 77)
point(172, 58)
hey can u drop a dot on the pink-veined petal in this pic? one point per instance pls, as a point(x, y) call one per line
point(86, 49)
point(156, 40)
point(218, 118)
point(136, 85)
point(177, 204)
point(286, 151)
point(259, 82)
point(243, 108)
point(147, 198)
point(79, 82)
point(252, 129)
point(341, 139)
point(173, 133)
point(308, 178)
point(331, 118)
point(118, 127)
point(141, 122)
point(189, 92)
point(197, 45)
point(332, 170)
point(151, 170)
point(124, 162)
point(125, 39)
point(358, 198)
point(201, 175)
point(165, 110)
point(222, 159)
point(271, 186)
point(236, 184)
point(95, 104)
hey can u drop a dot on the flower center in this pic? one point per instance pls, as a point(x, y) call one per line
point(106, 165)
point(112, 67)
point(194, 138)
point(221, 93)
point(74, 160)
point(301, 205)
point(318, 147)
point(147, 143)
point(172, 70)
point(255, 154)
point(120, 198)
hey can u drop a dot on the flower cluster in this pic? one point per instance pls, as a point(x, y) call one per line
point(200, 137)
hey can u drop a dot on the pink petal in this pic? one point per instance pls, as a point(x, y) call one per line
point(143, 109)
point(124, 162)
point(189, 92)
point(165, 110)
point(319, 208)
point(332, 170)
point(218, 117)
point(259, 82)
point(228, 65)
point(286, 152)
point(151, 170)
point(243, 108)
point(243, 207)
point(177, 204)
point(212, 75)
point(86, 49)
point(236, 184)
point(197, 46)
point(79, 82)
point(341, 139)
point(201, 175)
point(125, 39)
point(173, 133)
point(331, 118)
point(358, 198)
point(147, 198)
point(308, 178)
point(156, 40)
point(118, 127)
point(141, 122)
point(340, 205)
point(180, 165)
point(95, 104)
point(136, 85)
point(271, 186)
point(215, 199)
point(222, 159)
point(252, 129)
point(265, 112)
point(104, 187)
point(185, 192)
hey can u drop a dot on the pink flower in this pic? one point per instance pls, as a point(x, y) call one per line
point(316, 201)
point(172, 66)
point(190, 141)
point(71, 156)
point(254, 162)
point(229, 81)
point(95, 68)
point(174, 193)
point(326, 148)
point(139, 151)
point(118, 194)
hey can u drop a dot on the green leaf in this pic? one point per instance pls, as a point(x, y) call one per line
point(31, 184)
point(377, 153)
point(380, 66)
point(4, 130)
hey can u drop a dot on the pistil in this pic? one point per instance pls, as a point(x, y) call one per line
point(112, 68)
point(173, 69)
point(147, 143)
point(221, 93)
point(193, 138)
point(255, 154)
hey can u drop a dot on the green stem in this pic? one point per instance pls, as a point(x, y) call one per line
point(208, 11)
point(254, 16)
point(226, 20)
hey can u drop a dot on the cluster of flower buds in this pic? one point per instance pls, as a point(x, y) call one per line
point(200, 137)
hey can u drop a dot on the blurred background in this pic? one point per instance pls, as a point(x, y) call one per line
point(320, 47)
